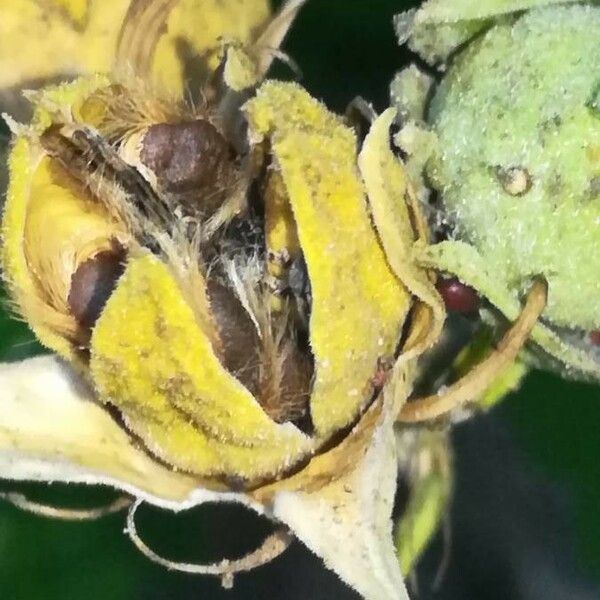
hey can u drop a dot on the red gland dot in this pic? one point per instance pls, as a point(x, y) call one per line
point(595, 337)
point(457, 296)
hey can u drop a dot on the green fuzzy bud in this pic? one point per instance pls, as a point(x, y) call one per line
point(518, 161)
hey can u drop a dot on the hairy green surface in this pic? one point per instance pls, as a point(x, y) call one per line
point(521, 98)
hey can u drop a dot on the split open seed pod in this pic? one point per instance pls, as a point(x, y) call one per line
point(263, 362)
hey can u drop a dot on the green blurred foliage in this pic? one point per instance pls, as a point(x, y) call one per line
point(344, 48)
point(556, 423)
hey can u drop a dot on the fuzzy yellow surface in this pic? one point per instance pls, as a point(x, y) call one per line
point(80, 229)
point(280, 233)
point(358, 305)
point(387, 184)
point(151, 359)
point(240, 71)
point(31, 183)
point(61, 102)
point(52, 428)
point(45, 39)
point(16, 271)
point(280, 227)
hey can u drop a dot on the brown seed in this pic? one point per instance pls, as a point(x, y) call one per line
point(239, 350)
point(92, 284)
point(186, 156)
point(280, 380)
point(296, 383)
point(595, 337)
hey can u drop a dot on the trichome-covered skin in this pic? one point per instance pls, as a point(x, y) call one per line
point(230, 278)
point(510, 141)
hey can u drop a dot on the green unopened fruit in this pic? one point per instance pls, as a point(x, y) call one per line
point(510, 141)
point(518, 160)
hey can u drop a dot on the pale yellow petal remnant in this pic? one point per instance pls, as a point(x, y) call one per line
point(358, 305)
point(76, 10)
point(71, 37)
point(57, 44)
point(151, 359)
point(200, 26)
point(51, 429)
point(340, 506)
point(44, 320)
point(387, 186)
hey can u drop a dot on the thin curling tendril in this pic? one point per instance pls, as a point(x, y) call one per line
point(66, 514)
point(469, 387)
point(274, 545)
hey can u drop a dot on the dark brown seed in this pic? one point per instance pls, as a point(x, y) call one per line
point(595, 337)
point(282, 389)
point(296, 383)
point(92, 284)
point(239, 350)
point(186, 156)
point(457, 296)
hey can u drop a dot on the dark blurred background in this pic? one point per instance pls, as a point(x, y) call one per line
point(525, 522)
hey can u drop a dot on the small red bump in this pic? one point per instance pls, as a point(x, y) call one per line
point(595, 337)
point(381, 374)
point(457, 296)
